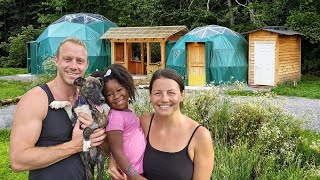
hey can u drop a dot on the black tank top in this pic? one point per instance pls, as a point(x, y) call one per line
point(57, 129)
point(159, 165)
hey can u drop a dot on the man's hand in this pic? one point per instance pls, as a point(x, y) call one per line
point(98, 137)
point(85, 120)
point(77, 136)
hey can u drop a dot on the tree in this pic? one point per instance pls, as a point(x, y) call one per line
point(16, 47)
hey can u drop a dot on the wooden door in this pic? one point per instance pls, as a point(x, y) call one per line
point(196, 64)
point(264, 63)
point(119, 50)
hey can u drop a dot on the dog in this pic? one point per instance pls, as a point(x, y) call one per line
point(90, 90)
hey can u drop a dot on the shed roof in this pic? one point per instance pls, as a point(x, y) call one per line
point(144, 32)
point(277, 29)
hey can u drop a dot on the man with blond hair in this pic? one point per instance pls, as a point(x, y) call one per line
point(43, 140)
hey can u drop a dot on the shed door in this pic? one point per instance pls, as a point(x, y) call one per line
point(264, 62)
point(196, 64)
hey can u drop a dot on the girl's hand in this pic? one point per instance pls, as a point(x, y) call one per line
point(115, 171)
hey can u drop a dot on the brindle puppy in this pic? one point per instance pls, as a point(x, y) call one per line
point(90, 89)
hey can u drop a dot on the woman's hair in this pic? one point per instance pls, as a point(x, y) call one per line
point(124, 78)
point(167, 73)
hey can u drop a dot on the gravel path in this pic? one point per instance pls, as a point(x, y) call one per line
point(307, 109)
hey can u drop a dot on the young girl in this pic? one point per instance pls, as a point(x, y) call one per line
point(125, 135)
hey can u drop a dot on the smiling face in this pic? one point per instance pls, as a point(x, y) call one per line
point(117, 96)
point(71, 62)
point(166, 96)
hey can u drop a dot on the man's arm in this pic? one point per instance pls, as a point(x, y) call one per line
point(27, 125)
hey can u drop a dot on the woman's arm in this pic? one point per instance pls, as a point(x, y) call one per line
point(203, 155)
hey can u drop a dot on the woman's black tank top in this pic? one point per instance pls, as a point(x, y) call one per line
point(159, 165)
point(57, 129)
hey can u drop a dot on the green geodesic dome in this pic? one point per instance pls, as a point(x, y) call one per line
point(226, 54)
point(85, 26)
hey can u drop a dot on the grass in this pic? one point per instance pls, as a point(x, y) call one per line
point(12, 89)
point(5, 167)
point(308, 87)
point(12, 71)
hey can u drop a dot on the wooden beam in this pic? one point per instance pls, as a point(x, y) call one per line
point(138, 40)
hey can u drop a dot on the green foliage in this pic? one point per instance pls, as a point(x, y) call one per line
point(142, 104)
point(12, 71)
point(308, 87)
point(298, 15)
point(17, 47)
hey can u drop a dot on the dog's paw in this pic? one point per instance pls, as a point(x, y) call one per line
point(86, 145)
point(59, 104)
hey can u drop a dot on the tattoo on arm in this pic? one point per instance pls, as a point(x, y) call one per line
point(131, 171)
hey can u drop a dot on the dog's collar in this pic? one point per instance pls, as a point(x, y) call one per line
point(79, 102)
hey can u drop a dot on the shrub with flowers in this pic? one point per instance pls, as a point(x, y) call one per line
point(48, 65)
point(253, 137)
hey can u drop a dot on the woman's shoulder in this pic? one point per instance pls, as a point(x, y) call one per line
point(145, 120)
point(201, 133)
point(202, 137)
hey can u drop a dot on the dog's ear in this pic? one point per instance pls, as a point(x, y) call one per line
point(79, 81)
point(100, 79)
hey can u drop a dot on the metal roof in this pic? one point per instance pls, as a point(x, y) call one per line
point(277, 29)
point(144, 32)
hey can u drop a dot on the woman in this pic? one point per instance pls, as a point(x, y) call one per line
point(177, 146)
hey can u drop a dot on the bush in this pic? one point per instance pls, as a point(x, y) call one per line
point(49, 66)
point(253, 137)
point(16, 47)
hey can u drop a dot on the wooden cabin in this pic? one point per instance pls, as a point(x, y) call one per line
point(133, 47)
point(274, 56)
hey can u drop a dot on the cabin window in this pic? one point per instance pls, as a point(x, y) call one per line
point(155, 52)
point(136, 52)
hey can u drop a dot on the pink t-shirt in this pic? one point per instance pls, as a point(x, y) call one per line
point(134, 140)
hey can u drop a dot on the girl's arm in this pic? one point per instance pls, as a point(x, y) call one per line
point(203, 155)
point(115, 140)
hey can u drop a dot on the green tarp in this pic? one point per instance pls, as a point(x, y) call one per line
point(85, 26)
point(226, 54)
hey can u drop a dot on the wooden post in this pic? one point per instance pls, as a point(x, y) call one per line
point(148, 56)
point(113, 52)
point(163, 54)
point(277, 60)
point(142, 58)
point(126, 55)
